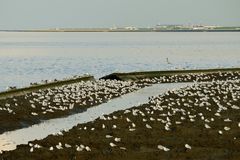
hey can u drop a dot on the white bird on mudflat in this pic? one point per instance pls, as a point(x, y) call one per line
point(128, 120)
point(177, 122)
point(161, 147)
point(108, 136)
point(123, 148)
point(132, 129)
point(34, 114)
point(227, 128)
point(59, 146)
point(103, 126)
point(87, 148)
point(79, 148)
point(112, 144)
point(207, 126)
point(67, 145)
point(148, 126)
point(188, 146)
point(117, 139)
point(33, 106)
point(37, 146)
point(133, 125)
point(227, 120)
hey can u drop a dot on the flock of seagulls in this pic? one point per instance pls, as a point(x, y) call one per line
point(208, 103)
point(90, 93)
point(192, 77)
point(66, 98)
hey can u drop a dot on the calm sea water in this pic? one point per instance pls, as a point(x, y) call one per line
point(32, 57)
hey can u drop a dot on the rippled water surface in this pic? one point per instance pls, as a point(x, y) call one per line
point(31, 57)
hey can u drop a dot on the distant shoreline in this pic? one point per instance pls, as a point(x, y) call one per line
point(122, 30)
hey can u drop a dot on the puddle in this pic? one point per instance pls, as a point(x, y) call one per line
point(9, 140)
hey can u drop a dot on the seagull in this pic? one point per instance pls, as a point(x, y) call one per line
point(148, 126)
point(112, 144)
point(87, 148)
point(188, 146)
point(117, 139)
point(161, 147)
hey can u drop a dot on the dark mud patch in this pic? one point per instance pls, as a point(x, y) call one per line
point(175, 119)
point(26, 110)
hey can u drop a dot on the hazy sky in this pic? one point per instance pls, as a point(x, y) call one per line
point(30, 14)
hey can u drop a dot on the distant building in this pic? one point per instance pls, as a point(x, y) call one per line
point(131, 28)
point(113, 28)
point(203, 27)
point(183, 27)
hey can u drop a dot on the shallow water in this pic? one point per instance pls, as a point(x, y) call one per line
point(9, 140)
point(31, 57)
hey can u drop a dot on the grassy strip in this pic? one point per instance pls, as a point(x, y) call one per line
point(21, 91)
point(150, 74)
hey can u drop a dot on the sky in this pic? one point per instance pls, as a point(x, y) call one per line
point(37, 14)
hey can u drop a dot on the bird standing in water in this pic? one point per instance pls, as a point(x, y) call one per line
point(168, 61)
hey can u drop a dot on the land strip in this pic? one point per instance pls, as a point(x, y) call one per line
point(196, 122)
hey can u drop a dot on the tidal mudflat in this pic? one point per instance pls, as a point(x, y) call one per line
point(196, 122)
point(9, 140)
point(31, 108)
point(34, 107)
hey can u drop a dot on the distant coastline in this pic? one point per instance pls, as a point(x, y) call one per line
point(120, 31)
point(158, 28)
